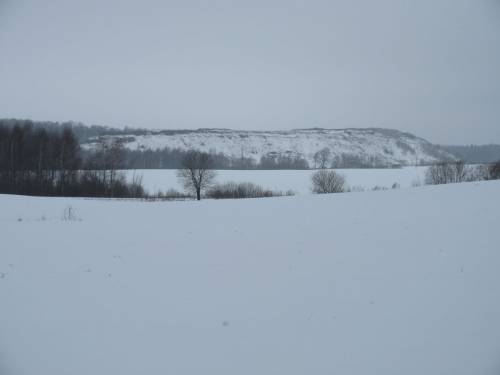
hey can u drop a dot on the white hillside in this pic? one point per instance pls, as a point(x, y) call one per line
point(381, 147)
point(394, 282)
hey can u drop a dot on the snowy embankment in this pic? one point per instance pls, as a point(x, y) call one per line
point(371, 146)
point(298, 181)
point(392, 282)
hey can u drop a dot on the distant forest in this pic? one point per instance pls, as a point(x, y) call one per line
point(48, 161)
point(475, 154)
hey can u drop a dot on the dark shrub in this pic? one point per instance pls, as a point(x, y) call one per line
point(234, 190)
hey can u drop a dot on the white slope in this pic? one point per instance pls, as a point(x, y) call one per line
point(373, 146)
point(395, 282)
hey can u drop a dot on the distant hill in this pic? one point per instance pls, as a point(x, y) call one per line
point(373, 147)
point(293, 149)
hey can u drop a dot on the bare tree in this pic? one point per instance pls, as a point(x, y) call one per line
point(322, 158)
point(115, 158)
point(445, 173)
point(328, 181)
point(196, 175)
point(494, 170)
point(480, 172)
point(459, 171)
point(437, 174)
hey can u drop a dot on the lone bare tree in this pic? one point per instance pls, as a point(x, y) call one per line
point(328, 181)
point(196, 175)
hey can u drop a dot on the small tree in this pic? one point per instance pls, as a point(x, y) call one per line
point(479, 172)
point(494, 170)
point(328, 181)
point(322, 158)
point(460, 171)
point(196, 175)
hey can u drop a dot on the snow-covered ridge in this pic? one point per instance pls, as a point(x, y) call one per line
point(374, 146)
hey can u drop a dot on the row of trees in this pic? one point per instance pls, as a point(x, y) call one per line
point(172, 158)
point(324, 158)
point(240, 190)
point(40, 161)
point(168, 158)
point(475, 154)
point(82, 132)
point(458, 171)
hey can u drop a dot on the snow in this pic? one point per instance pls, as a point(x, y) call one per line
point(391, 282)
point(372, 145)
point(298, 181)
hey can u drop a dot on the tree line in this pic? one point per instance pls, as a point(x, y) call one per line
point(48, 161)
point(475, 154)
point(172, 158)
point(458, 171)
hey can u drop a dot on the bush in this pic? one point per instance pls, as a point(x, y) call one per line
point(169, 195)
point(328, 181)
point(478, 173)
point(494, 171)
point(234, 190)
point(98, 184)
point(446, 173)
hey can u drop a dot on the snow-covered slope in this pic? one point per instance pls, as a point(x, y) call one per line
point(394, 282)
point(373, 146)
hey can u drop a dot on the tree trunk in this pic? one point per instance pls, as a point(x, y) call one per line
point(198, 194)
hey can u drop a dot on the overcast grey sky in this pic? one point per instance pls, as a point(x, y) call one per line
point(431, 67)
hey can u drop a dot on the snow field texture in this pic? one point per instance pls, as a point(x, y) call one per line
point(390, 282)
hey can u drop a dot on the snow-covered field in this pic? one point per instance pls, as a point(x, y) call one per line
point(298, 181)
point(391, 282)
